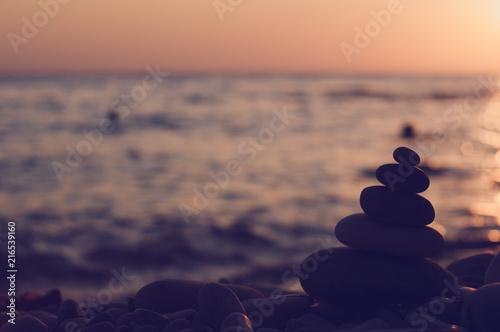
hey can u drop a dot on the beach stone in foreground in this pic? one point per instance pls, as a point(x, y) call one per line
point(362, 232)
point(347, 276)
point(396, 208)
point(399, 178)
point(25, 324)
point(171, 295)
point(216, 302)
point(480, 311)
point(404, 155)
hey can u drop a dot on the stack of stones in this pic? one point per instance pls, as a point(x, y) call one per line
point(386, 262)
point(395, 216)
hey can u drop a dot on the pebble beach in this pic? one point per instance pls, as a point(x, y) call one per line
point(379, 280)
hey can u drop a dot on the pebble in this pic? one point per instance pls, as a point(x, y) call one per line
point(202, 329)
point(272, 312)
point(25, 324)
point(177, 325)
point(472, 265)
point(307, 329)
point(347, 276)
point(362, 232)
point(116, 313)
point(399, 178)
point(185, 313)
point(125, 320)
point(236, 319)
point(293, 324)
point(370, 325)
point(172, 295)
point(480, 311)
point(145, 316)
point(317, 322)
point(404, 155)
point(492, 273)
point(69, 309)
point(146, 328)
point(124, 328)
point(397, 208)
point(100, 327)
point(216, 301)
point(235, 329)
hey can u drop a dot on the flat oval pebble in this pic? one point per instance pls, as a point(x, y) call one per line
point(146, 328)
point(235, 329)
point(100, 327)
point(400, 178)
point(236, 319)
point(216, 302)
point(347, 276)
point(25, 324)
point(317, 322)
point(145, 316)
point(273, 312)
point(185, 313)
point(481, 309)
point(177, 325)
point(124, 328)
point(172, 295)
point(404, 155)
point(396, 208)
point(361, 232)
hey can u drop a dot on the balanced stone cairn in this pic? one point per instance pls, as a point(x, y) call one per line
point(386, 262)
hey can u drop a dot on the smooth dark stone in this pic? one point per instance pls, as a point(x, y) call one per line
point(317, 322)
point(361, 232)
point(400, 178)
point(172, 295)
point(275, 311)
point(188, 314)
point(145, 317)
point(307, 329)
point(236, 319)
point(480, 311)
point(178, 325)
point(346, 276)
point(100, 327)
point(216, 302)
point(473, 265)
point(101, 317)
point(73, 323)
point(25, 324)
point(116, 313)
point(404, 155)
point(396, 208)
point(126, 320)
point(69, 309)
point(202, 329)
point(294, 324)
point(124, 328)
point(146, 328)
point(236, 329)
point(471, 281)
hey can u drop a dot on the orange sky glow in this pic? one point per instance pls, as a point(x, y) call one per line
point(251, 36)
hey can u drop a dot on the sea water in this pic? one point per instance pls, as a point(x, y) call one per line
point(203, 177)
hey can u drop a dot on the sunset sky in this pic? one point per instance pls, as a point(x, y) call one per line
point(251, 36)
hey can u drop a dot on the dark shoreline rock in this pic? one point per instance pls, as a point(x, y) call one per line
point(349, 276)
